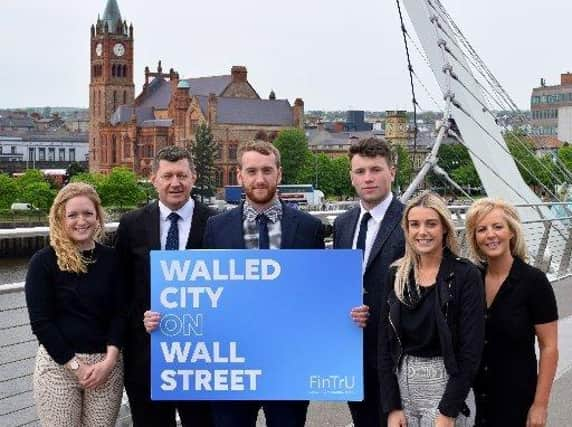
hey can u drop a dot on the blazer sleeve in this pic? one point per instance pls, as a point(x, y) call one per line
point(389, 388)
point(124, 254)
point(319, 236)
point(208, 242)
point(471, 336)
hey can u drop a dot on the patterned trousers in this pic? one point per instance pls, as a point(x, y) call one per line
point(422, 382)
point(62, 402)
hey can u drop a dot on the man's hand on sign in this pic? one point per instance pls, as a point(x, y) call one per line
point(360, 315)
point(151, 320)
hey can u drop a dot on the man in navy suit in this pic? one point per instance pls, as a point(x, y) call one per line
point(174, 222)
point(261, 222)
point(374, 227)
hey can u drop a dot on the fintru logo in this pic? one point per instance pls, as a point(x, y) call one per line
point(332, 384)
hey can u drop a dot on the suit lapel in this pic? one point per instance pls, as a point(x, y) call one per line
point(234, 228)
point(195, 237)
point(347, 232)
point(390, 221)
point(152, 225)
point(288, 227)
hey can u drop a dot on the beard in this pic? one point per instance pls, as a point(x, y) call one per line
point(259, 196)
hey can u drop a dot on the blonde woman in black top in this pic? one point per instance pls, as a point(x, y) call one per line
point(520, 306)
point(74, 302)
point(431, 330)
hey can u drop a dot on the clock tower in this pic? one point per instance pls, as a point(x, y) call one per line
point(111, 81)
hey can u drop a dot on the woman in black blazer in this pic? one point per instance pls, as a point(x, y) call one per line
point(431, 330)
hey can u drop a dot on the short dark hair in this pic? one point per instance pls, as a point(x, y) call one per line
point(262, 147)
point(371, 147)
point(173, 153)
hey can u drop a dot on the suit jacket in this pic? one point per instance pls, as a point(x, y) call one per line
point(389, 245)
point(139, 233)
point(299, 230)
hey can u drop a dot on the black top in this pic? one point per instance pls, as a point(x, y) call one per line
point(419, 326)
point(506, 382)
point(75, 313)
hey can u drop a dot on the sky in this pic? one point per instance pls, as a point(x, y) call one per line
point(336, 55)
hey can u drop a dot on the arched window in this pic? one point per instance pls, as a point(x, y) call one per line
point(113, 70)
point(124, 97)
point(124, 71)
point(126, 148)
point(114, 99)
point(219, 177)
point(231, 176)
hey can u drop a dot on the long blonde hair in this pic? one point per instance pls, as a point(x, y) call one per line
point(68, 254)
point(481, 208)
point(410, 261)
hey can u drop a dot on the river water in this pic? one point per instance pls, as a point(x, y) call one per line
point(13, 270)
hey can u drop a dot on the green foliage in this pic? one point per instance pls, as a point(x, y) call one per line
point(93, 179)
point(404, 167)
point(35, 189)
point(31, 176)
point(203, 152)
point(73, 169)
point(328, 175)
point(565, 156)
point(8, 191)
point(456, 161)
point(535, 171)
point(293, 147)
point(39, 194)
point(120, 188)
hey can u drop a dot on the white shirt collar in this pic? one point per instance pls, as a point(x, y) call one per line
point(185, 212)
point(378, 211)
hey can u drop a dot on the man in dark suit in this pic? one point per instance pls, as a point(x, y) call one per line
point(174, 222)
point(374, 227)
point(262, 222)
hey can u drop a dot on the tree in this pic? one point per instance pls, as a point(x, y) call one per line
point(120, 188)
point(31, 176)
point(73, 169)
point(293, 147)
point(342, 182)
point(404, 169)
point(39, 194)
point(8, 191)
point(94, 179)
point(203, 152)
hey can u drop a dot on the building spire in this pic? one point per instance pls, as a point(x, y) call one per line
point(112, 16)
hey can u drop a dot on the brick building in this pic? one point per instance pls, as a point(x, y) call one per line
point(127, 131)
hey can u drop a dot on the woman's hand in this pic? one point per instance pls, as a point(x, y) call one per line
point(537, 415)
point(98, 374)
point(444, 421)
point(360, 315)
point(151, 320)
point(396, 419)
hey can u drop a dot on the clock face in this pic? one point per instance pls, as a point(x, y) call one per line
point(118, 49)
point(99, 49)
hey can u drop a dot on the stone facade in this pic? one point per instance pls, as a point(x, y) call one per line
point(170, 109)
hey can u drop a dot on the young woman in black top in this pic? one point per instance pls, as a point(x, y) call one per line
point(75, 304)
point(520, 306)
point(431, 330)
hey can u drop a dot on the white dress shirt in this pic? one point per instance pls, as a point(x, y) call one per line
point(377, 214)
point(184, 223)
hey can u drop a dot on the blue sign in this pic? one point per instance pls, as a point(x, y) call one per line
point(256, 325)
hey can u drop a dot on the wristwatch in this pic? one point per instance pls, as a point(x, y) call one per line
point(73, 364)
